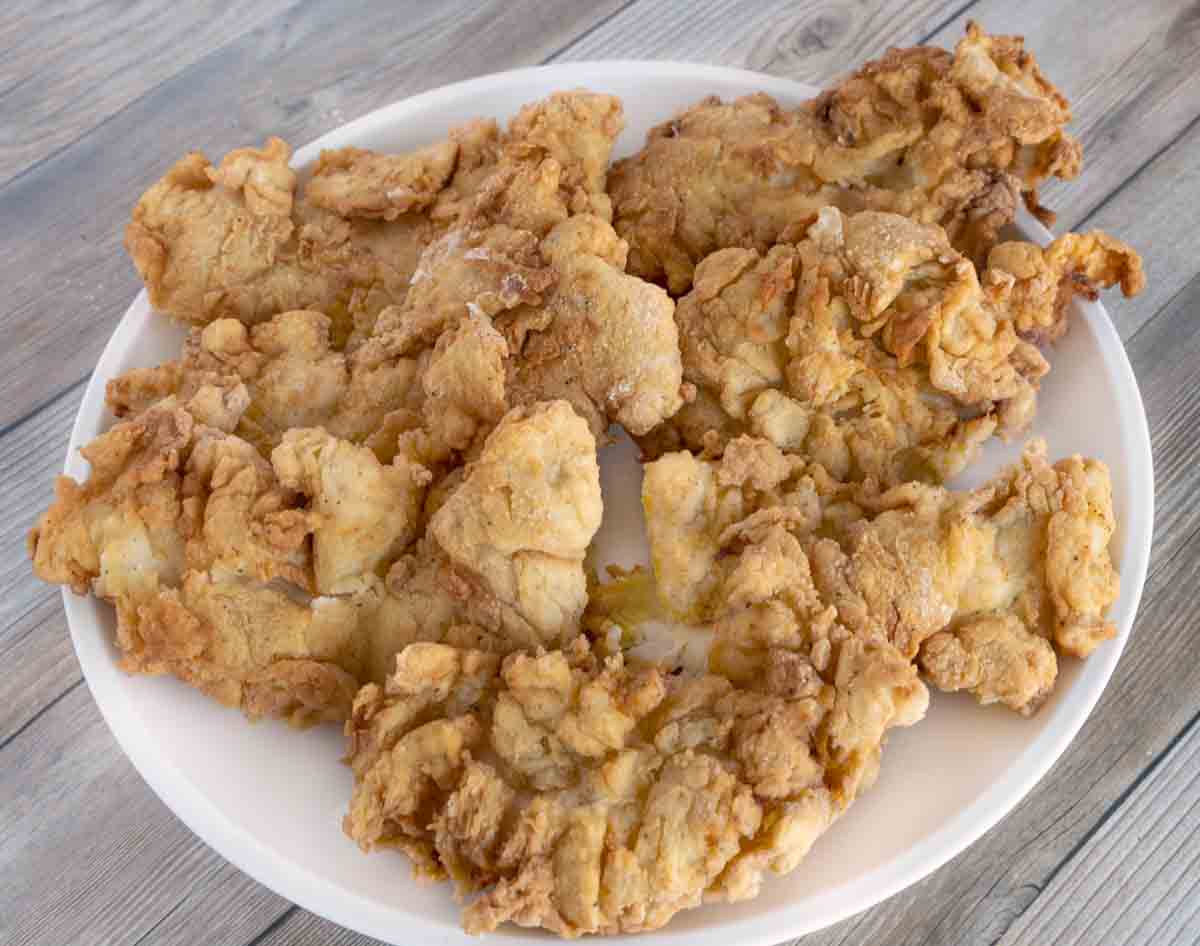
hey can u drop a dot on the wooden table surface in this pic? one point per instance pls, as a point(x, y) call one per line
point(97, 99)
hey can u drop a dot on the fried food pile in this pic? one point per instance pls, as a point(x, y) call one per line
point(365, 490)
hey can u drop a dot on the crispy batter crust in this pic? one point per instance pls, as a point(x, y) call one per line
point(952, 140)
point(977, 586)
point(873, 348)
point(587, 797)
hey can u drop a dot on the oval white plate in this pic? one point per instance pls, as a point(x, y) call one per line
point(271, 800)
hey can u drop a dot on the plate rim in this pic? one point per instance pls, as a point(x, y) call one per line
point(353, 911)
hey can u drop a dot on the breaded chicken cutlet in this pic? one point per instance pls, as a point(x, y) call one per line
point(875, 349)
point(243, 240)
point(280, 586)
point(602, 797)
point(953, 139)
point(980, 587)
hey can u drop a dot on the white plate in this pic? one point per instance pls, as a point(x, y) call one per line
point(271, 800)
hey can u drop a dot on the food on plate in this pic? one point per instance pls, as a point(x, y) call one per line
point(367, 488)
point(243, 240)
point(566, 319)
point(584, 796)
point(279, 587)
point(873, 348)
point(955, 140)
point(495, 318)
point(979, 587)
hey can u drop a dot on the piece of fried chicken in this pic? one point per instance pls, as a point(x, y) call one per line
point(955, 140)
point(873, 348)
point(588, 797)
point(498, 318)
point(275, 586)
point(980, 587)
point(574, 325)
point(238, 241)
point(293, 376)
point(187, 532)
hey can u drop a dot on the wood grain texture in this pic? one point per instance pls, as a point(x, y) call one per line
point(1135, 880)
point(89, 857)
point(35, 650)
point(1156, 211)
point(67, 67)
point(807, 41)
point(297, 76)
point(122, 870)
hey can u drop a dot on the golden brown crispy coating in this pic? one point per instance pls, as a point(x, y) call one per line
point(204, 548)
point(353, 182)
point(292, 377)
point(953, 140)
point(237, 241)
point(609, 345)
point(574, 324)
point(873, 348)
point(363, 513)
point(517, 529)
point(186, 530)
point(494, 318)
point(584, 797)
point(977, 585)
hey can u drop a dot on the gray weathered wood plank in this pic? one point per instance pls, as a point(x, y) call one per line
point(34, 647)
point(1136, 878)
point(67, 67)
point(298, 76)
point(808, 41)
point(89, 856)
point(1156, 211)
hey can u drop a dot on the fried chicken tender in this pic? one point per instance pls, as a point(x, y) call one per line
point(237, 241)
point(518, 527)
point(952, 140)
point(980, 587)
point(497, 318)
point(610, 345)
point(364, 514)
point(873, 348)
point(292, 377)
point(501, 565)
point(353, 182)
point(186, 530)
point(575, 325)
point(589, 797)
point(280, 587)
